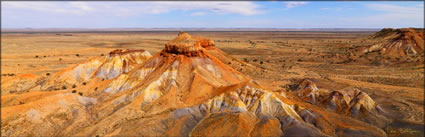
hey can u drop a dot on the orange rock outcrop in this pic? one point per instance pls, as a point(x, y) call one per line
point(398, 42)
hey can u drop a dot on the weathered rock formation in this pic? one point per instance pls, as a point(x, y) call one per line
point(181, 91)
point(96, 69)
point(349, 101)
point(397, 42)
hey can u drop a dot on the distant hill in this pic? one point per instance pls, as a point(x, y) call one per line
point(397, 42)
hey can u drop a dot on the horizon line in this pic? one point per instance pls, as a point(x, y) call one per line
point(210, 28)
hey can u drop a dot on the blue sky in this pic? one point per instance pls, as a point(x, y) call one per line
point(212, 14)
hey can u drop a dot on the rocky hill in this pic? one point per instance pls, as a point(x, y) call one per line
point(397, 42)
point(94, 70)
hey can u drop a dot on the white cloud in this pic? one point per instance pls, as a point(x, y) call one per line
point(82, 6)
point(242, 8)
point(77, 8)
point(134, 8)
point(294, 4)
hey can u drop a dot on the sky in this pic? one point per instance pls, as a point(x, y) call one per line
point(212, 14)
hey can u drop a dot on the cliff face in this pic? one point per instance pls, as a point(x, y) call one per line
point(181, 91)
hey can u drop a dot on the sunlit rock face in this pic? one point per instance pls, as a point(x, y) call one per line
point(227, 59)
point(185, 91)
point(121, 61)
point(349, 101)
point(357, 104)
point(308, 91)
point(398, 42)
point(103, 68)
